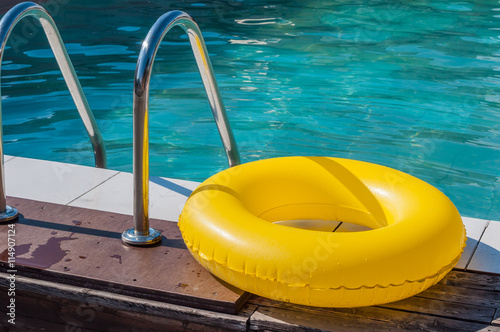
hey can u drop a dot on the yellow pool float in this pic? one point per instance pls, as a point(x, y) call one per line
point(416, 236)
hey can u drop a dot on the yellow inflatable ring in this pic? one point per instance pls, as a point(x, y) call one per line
point(416, 236)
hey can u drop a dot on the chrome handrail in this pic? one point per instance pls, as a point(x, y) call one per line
point(141, 234)
point(8, 22)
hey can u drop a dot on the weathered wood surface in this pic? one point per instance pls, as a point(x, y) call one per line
point(83, 247)
point(55, 294)
point(286, 317)
point(472, 280)
point(68, 308)
point(52, 298)
point(274, 319)
point(463, 301)
point(68, 315)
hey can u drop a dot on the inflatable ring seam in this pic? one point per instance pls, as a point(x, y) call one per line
point(445, 269)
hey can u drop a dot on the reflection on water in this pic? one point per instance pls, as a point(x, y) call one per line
point(411, 86)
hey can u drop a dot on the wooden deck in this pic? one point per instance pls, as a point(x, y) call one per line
point(74, 274)
point(463, 301)
point(83, 247)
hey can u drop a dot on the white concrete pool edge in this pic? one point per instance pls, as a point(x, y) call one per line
point(111, 191)
point(92, 188)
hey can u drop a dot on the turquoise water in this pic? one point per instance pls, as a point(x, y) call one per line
point(412, 86)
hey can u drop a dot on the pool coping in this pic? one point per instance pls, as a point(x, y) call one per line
point(111, 191)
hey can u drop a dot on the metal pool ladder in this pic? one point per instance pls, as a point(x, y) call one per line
point(8, 22)
point(142, 234)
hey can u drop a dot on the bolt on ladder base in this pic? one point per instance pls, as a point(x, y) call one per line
point(9, 214)
point(131, 238)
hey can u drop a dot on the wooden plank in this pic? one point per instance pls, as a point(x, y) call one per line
point(276, 319)
point(264, 302)
point(381, 314)
point(68, 315)
point(471, 280)
point(467, 301)
point(83, 247)
point(463, 295)
point(125, 305)
point(30, 324)
point(434, 307)
point(444, 309)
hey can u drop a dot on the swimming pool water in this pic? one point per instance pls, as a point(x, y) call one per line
point(413, 86)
